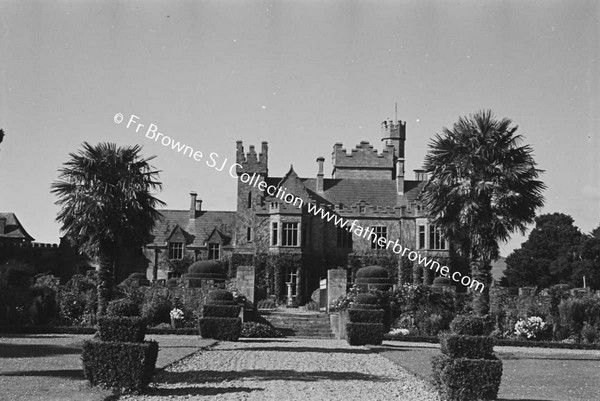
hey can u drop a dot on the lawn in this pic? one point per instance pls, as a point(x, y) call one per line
point(528, 373)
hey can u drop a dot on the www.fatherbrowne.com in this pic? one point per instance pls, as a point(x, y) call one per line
point(291, 199)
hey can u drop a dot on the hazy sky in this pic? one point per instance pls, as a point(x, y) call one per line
point(301, 75)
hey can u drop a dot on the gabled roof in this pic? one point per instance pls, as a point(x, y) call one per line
point(196, 230)
point(217, 237)
point(14, 229)
point(348, 191)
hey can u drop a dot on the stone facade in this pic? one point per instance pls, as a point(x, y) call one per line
point(366, 187)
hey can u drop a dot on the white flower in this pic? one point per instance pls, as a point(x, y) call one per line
point(176, 314)
point(399, 331)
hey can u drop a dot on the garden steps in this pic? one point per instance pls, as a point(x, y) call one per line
point(304, 324)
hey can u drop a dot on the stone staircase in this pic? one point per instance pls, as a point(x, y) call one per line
point(300, 323)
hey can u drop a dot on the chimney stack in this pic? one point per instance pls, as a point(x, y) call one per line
point(2, 225)
point(199, 205)
point(193, 196)
point(320, 174)
point(400, 177)
point(420, 175)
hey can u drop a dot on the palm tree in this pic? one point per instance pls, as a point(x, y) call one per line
point(105, 202)
point(483, 187)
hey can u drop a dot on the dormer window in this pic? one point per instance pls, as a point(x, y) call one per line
point(175, 250)
point(214, 251)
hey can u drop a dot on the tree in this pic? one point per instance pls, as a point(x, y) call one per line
point(105, 203)
point(588, 263)
point(1, 135)
point(483, 187)
point(548, 256)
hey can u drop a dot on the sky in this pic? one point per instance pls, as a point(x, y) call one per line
point(301, 75)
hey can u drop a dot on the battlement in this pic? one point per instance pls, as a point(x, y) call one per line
point(364, 155)
point(393, 130)
point(252, 162)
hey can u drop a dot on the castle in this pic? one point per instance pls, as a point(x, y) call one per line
point(366, 186)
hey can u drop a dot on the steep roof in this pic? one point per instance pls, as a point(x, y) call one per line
point(14, 229)
point(348, 191)
point(197, 230)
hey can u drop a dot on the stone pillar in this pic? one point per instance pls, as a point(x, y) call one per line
point(246, 278)
point(337, 280)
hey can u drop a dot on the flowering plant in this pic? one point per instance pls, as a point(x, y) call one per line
point(176, 314)
point(399, 331)
point(530, 328)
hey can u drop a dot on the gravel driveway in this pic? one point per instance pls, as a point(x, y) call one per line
point(286, 369)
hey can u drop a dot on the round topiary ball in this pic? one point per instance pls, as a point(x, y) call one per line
point(206, 270)
point(366, 299)
point(467, 325)
point(375, 277)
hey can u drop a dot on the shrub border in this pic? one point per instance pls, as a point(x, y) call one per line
point(499, 342)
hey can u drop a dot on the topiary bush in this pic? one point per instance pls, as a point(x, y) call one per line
point(121, 329)
point(366, 299)
point(364, 333)
point(123, 307)
point(462, 379)
point(219, 295)
point(467, 369)
point(472, 347)
point(126, 367)
point(219, 321)
point(468, 325)
point(120, 359)
point(365, 315)
point(365, 324)
point(210, 310)
point(221, 328)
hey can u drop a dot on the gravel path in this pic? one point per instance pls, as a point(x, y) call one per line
point(288, 369)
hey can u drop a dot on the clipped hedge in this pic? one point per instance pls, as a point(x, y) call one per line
point(472, 347)
point(123, 307)
point(467, 325)
point(461, 379)
point(127, 367)
point(221, 328)
point(365, 306)
point(219, 295)
point(365, 298)
point(122, 329)
point(364, 333)
point(220, 311)
point(358, 315)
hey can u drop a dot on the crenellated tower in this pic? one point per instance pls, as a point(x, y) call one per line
point(249, 197)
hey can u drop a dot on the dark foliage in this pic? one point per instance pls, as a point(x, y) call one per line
point(460, 379)
point(468, 325)
point(123, 308)
point(357, 315)
point(471, 347)
point(366, 298)
point(220, 311)
point(221, 328)
point(122, 329)
point(125, 367)
point(364, 333)
point(219, 295)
